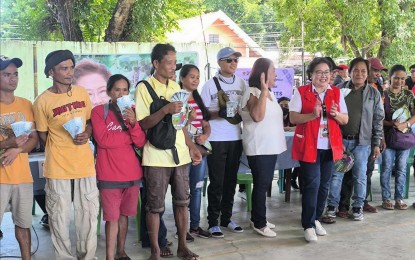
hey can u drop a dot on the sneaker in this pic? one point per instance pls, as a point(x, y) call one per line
point(331, 211)
point(266, 232)
point(357, 213)
point(270, 225)
point(45, 220)
point(320, 231)
point(310, 235)
point(216, 232)
point(199, 232)
point(189, 237)
point(232, 226)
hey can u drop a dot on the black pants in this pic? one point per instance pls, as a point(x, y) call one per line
point(223, 166)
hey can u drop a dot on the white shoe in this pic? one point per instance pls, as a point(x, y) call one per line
point(310, 235)
point(267, 232)
point(320, 231)
point(270, 225)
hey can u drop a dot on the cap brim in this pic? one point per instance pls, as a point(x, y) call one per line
point(16, 61)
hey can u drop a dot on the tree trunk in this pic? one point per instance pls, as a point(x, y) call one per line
point(386, 39)
point(353, 46)
point(118, 20)
point(63, 12)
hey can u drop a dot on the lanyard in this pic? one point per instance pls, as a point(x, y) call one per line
point(323, 105)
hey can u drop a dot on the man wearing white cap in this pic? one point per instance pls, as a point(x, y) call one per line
point(69, 163)
point(226, 142)
point(16, 183)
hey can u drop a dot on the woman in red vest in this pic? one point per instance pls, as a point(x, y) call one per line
point(318, 110)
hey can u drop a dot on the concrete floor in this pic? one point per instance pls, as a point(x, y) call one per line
point(384, 235)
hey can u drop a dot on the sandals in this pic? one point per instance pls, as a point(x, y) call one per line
point(369, 208)
point(399, 204)
point(387, 204)
point(343, 213)
point(123, 258)
point(165, 252)
point(327, 220)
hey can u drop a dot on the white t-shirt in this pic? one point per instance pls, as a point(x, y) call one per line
point(222, 130)
point(296, 106)
point(266, 137)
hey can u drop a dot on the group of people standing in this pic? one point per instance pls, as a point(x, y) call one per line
point(328, 120)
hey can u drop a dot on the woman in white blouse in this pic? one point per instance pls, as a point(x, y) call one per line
point(263, 138)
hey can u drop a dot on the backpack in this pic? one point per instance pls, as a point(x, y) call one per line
point(163, 134)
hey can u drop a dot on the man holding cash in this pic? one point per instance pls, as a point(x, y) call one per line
point(69, 162)
point(16, 183)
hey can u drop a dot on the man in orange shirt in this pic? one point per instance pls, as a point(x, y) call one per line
point(16, 188)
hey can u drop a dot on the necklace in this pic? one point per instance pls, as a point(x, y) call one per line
point(225, 80)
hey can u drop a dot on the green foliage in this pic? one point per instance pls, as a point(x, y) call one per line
point(350, 27)
point(149, 20)
point(28, 20)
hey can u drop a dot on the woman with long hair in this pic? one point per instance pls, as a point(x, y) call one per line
point(397, 97)
point(199, 130)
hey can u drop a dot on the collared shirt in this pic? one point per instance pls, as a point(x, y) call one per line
point(153, 156)
point(296, 106)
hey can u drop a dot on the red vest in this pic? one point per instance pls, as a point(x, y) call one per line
point(305, 138)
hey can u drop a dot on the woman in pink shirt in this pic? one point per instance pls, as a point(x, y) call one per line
point(118, 169)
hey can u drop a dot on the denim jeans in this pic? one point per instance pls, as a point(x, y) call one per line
point(196, 181)
point(223, 165)
point(388, 157)
point(361, 154)
point(316, 179)
point(262, 167)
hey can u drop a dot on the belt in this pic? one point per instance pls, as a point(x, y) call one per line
point(351, 137)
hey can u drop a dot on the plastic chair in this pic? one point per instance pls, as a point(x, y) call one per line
point(246, 178)
point(409, 164)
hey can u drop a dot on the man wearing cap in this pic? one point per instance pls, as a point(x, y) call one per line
point(225, 138)
point(375, 73)
point(16, 183)
point(69, 163)
point(342, 74)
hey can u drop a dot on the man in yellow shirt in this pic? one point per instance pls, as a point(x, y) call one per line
point(16, 188)
point(160, 167)
point(69, 162)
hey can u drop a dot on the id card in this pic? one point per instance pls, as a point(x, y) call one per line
point(324, 131)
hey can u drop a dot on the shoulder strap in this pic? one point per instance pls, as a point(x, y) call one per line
point(387, 102)
point(150, 89)
point(215, 79)
point(106, 108)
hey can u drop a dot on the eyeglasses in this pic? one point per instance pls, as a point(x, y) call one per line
point(321, 73)
point(229, 60)
point(412, 71)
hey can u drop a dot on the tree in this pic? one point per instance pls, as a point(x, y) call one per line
point(95, 20)
point(349, 28)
